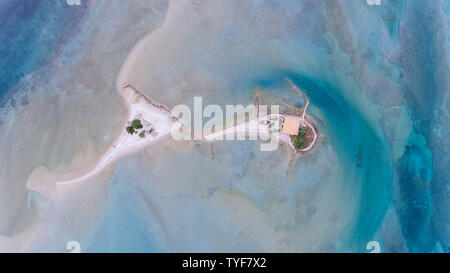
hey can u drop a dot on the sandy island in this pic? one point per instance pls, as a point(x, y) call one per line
point(139, 107)
point(159, 118)
point(155, 116)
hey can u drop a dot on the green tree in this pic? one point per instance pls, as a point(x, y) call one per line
point(302, 131)
point(130, 130)
point(136, 124)
point(142, 134)
point(299, 141)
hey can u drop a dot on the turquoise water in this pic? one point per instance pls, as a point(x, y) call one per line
point(124, 228)
point(366, 156)
point(423, 185)
point(31, 33)
point(363, 155)
point(377, 80)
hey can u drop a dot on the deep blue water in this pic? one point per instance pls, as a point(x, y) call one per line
point(31, 32)
point(422, 201)
point(364, 155)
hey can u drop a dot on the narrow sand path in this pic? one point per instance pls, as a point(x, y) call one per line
point(260, 127)
point(152, 116)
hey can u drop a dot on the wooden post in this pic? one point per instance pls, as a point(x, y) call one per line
point(212, 150)
point(291, 163)
point(257, 103)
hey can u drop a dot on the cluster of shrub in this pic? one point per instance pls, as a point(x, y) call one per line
point(135, 126)
point(299, 140)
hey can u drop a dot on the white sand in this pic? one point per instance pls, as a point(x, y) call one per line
point(45, 183)
point(138, 108)
point(259, 126)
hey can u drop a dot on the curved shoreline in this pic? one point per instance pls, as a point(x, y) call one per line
point(311, 145)
point(157, 116)
point(255, 126)
point(136, 104)
point(140, 107)
point(161, 120)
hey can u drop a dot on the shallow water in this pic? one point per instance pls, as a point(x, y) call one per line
point(69, 116)
point(376, 77)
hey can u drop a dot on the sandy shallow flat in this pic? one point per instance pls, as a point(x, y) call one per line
point(372, 74)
